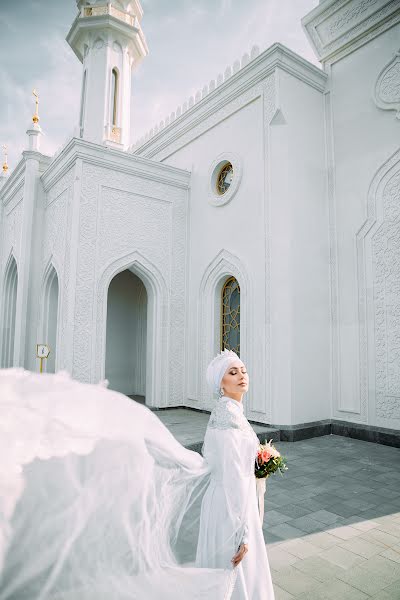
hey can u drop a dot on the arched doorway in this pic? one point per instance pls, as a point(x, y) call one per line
point(126, 331)
point(50, 318)
point(8, 314)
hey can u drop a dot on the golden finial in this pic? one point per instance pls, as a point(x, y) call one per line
point(5, 164)
point(35, 117)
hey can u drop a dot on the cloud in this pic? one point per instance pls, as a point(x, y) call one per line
point(190, 42)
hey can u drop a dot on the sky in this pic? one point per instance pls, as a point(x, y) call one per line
point(190, 42)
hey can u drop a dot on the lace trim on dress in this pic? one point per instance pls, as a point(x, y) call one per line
point(225, 415)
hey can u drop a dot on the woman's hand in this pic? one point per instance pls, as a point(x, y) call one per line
point(243, 549)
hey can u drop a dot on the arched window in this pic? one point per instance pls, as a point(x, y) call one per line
point(114, 97)
point(8, 316)
point(50, 318)
point(230, 316)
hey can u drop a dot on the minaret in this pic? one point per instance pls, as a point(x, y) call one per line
point(108, 40)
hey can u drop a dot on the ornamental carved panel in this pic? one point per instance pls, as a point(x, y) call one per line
point(386, 275)
point(387, 87)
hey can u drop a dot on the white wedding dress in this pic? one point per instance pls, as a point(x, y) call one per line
point(98, 501)
point(229, 514)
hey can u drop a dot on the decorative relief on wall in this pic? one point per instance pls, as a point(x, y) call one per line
point(128, 220)
point(348, 17)
point(55, 228)
point(386, 264)
point(378, 244)
point(148, 223)
point(85, 279)
point(342, 26)
point(56, 246)
point(387, 87)
point(12, 232)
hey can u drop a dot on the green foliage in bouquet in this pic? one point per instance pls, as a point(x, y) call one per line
point(269, 460)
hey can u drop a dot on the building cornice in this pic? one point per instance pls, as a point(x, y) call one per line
point(277, 56)
point(117, 160)
point(16, 178)
point(337, 27)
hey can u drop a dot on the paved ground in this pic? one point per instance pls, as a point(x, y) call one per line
point(189, 426)
point(332, 523)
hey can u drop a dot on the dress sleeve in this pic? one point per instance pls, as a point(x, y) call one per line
point(226, 451)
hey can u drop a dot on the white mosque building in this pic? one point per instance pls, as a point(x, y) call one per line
point(263, 215)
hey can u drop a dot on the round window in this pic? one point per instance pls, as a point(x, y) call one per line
point(224, 178)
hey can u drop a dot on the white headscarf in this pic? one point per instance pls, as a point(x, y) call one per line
point(217, 367)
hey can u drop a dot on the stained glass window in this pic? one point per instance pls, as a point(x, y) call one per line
point(230, 316)
point(224, 178)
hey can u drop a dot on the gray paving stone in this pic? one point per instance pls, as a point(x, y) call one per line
point(300, 547)
point(317, 567)
point(392, 554)
point(279, 558)
point(373, 575)
point(293, 511)
point(391, 592)
point(323, 540)
point(341, 557)
point(348, 488)
point(294, 581)
point(281, 594)
point(362, 547)
point(285, 531)
point(307, 524)
point(334, 589)
point(383, 537)
point(345, 532)
point(326, 517)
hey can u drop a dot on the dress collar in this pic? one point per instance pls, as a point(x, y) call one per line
point(235, 403)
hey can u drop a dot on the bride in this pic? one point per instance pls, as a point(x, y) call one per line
point(98, 501)
point(230, 527)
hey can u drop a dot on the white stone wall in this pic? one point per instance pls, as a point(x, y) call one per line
point(364, 221)
point(299, 254)
point(55, 252)
point(126, 213)
point(272, 235)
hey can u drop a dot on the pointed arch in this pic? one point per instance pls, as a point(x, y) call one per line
point(9, 304)
point(50, 314)
point(224, 266)
point(157, 323)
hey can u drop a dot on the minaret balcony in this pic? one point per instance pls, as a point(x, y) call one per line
point(109, 9)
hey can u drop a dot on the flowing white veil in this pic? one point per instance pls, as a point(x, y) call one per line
point(97, 499)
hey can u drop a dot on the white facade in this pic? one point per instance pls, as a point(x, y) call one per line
point(309, 227)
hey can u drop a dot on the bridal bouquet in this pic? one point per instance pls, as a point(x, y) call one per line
point(269, 460)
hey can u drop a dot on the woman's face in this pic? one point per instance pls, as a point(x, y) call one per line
point(235, 379)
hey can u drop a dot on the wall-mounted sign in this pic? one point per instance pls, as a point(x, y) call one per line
point(42, 351)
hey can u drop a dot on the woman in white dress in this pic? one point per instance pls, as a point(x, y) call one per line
point(98, 500)
point(230, 528)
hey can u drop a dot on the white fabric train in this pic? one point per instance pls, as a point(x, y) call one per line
point(98, 500)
